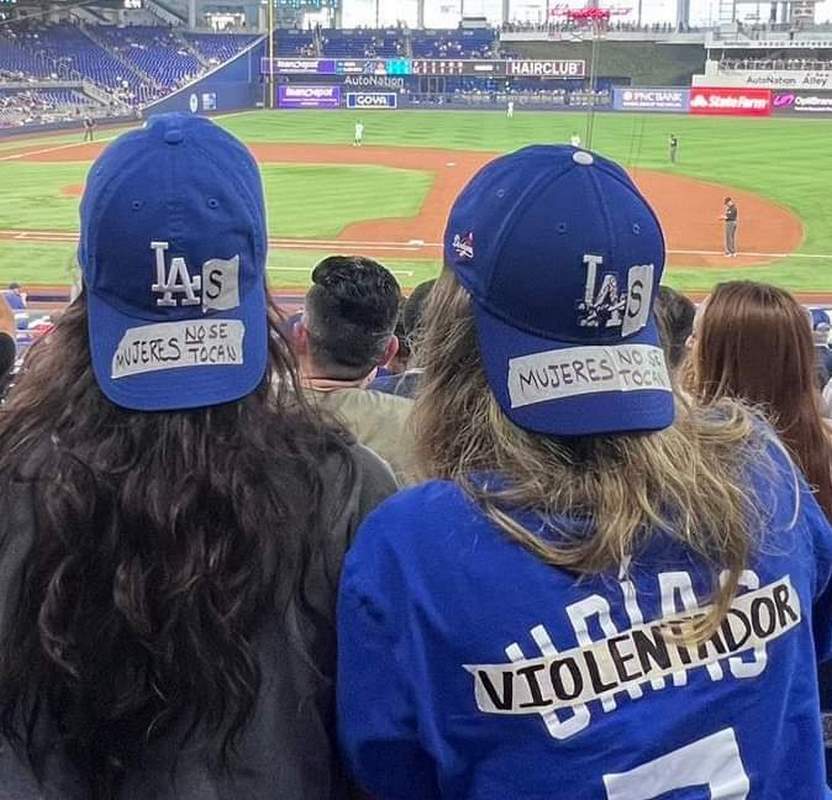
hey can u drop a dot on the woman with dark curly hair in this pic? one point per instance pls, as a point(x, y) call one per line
point(173, 517)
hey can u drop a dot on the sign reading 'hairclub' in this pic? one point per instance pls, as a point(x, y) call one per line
point(545, 69)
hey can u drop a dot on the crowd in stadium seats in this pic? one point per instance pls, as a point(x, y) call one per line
point(28, 106)
point(153, 52)
point(784, 63)
point(615, 25)
point(216, 48)
point(413, 547)
point(361, 43)
point(133, 65)
point(473, 43)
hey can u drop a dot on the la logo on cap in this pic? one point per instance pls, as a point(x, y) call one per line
point(629, 310)
point(217, 288)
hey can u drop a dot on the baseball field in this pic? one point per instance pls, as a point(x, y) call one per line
point(389, 198)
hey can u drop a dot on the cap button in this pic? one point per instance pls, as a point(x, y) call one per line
point(174, 136)
point(583, 158)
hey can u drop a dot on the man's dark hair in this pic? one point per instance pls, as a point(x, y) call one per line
point(414, 308)
point(727, 199)
point(675, 314)
point(8, 352)
point(350, 313)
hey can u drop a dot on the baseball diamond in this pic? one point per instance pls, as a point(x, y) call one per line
point(433, 154)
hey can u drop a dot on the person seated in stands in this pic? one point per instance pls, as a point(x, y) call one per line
point(345, 335)
point(406, 382)
point(675, 314)
point(18, 302)
point(599, 592)
point(753, 341)
point(171, 516)
point(821, 328)
point(8, 344)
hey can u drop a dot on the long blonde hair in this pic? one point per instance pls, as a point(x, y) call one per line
point(610, 492)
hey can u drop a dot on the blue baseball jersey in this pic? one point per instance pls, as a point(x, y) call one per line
point(469, 669)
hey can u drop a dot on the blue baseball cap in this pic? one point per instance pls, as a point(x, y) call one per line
point(173, 255)
point(820, 319)
point(563, 256)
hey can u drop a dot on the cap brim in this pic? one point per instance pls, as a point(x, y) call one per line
point(568, 389)
point(192, 383)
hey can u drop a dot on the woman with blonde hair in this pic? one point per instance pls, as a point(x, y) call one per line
point(754, 341)
point(597, 593)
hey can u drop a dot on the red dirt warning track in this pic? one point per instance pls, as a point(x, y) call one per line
point(688, 208)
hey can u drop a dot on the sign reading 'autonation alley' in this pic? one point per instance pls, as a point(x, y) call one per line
point(768, 79)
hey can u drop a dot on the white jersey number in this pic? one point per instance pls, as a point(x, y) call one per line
point(713, 762)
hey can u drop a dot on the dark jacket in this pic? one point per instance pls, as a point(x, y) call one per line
point(288, 751)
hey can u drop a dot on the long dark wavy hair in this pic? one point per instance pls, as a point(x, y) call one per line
point(754, 341)
point(160, 541)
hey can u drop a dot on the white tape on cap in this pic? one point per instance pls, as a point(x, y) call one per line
point(172, 345)
point(559, 374)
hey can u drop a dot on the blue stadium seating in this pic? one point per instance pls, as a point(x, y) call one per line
point(154, 51)
point(219, 47)
point(363, 43)
point(467, 43)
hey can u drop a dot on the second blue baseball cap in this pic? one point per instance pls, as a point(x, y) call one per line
point(563, 256)
point(173, 255)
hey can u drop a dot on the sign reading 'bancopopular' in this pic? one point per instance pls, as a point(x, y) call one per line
point(294, 96)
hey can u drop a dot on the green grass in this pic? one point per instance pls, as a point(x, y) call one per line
point(319, 201)
point(786, 160)
point(54, 264)
point(341, 195)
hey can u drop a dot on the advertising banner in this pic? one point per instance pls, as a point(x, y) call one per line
point(373, 82)
point(373, 100)
point(650, 98)
point(449, 67)
point(299, 66)
point(294, 96)
point(802, 103)
point(715, 101)
point(546, 69)
point(811, 80)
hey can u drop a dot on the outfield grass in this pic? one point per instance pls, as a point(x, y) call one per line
point(342, 194)
point(54, 264)
point(786, 160)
